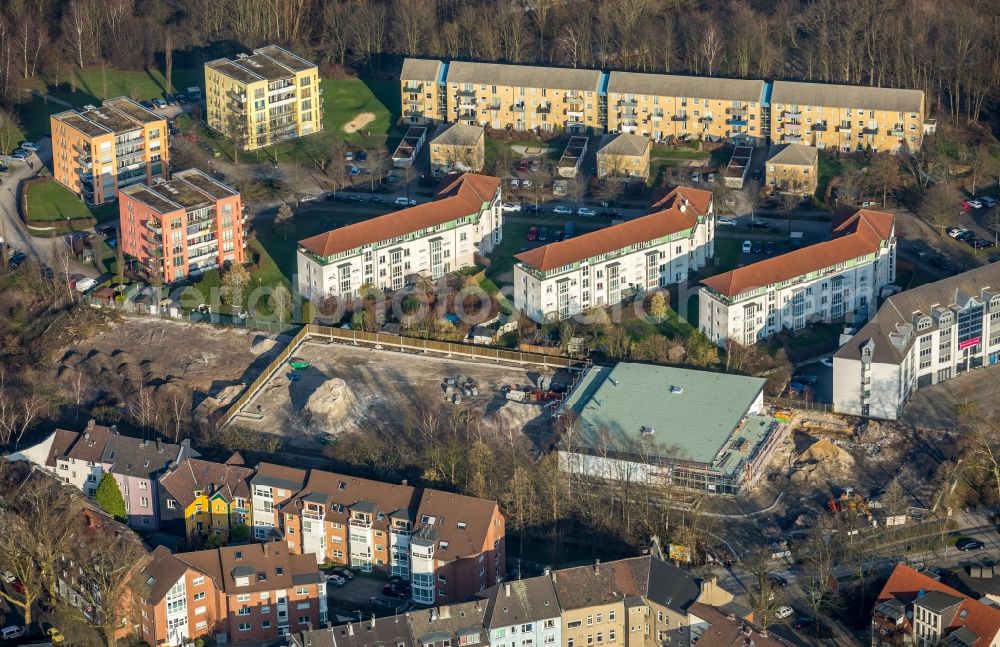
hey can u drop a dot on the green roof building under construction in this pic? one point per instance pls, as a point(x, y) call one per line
point(680, 426)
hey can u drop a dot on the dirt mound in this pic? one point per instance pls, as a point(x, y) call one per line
point(262, 344)
point(823, 451)
point(360, 121)
point(330, 403)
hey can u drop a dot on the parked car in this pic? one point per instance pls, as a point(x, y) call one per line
point(510, 206)
point(783, 612)
point(336, 580)
point(514, 183)
point(803, 623)
point(56, 637)
point(827, 362)
point(970, 204)
point(182, 99)
point(360, 156)
point(968, 544)
point(747, 246)
point(7, 577)
point(159, 103)
point(757, 247)
point(757, 224)
point(30, 146)
point(543, 234)
point(376, 199)
point(532, 234)
point(557, 235)
point(777, 580)
point(585, 211)
point(978, 243)
point(611, 213)
point(18, 586)
point(345, 573)
point(11, 632)
point(349, 156)
point(533, 208)
point(393, 592)
point(562, 210)
point(726, 222)
point(710, 177)
point(148, 105)
point(955, 232)
point(988, 201)
point(523, 166)
point(402, 201)
point(20, 154)
point(696, 177)
point(525, 183)
point(769, 247)
point(806, 378)
point(84, 285)
point(169, 98)
point(17, 259)
point(798, 388)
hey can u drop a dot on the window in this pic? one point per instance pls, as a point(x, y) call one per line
point(242, 581)
point(611, 616)
point(590, 620)
point(200, 610)
point(600, 618)
point(302, 590)
point(244, 611)
point(574, 624)
point(171, 504)
point(143, 485)
point(200, 595)
point(266, 624)
point(144, 502)
point(244, 626)
point(243, 597)
point(303, 620)
point(611, 635)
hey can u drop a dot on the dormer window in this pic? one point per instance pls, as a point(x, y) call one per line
point(461, 525)
point(923, 323)
point(443, 545)
point(239, 554)
point(242, 581)
point(342, 486)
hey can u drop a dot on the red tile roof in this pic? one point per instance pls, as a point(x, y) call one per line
point(457, 196)
point(906, 585)
point(858, 234)
point(668, 215)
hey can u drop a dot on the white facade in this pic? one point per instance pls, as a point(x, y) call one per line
point(545, 632)
point(263, 512)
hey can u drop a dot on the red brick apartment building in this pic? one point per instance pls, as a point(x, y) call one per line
point(236, 594)
point(183, 226)
point(446, 545)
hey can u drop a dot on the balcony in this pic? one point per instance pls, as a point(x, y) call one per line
point(467, 101)
point(156, 229)
point(360, 523)
point(792, 138)
point(576, 114)
point(869, 131)
point(467, 114)
point(517, 107)
point(573, 100)
point(465, 93)
point(820, 127)
point(544, 109)
point(736, 112)
point(737, 122)
point(204, 254)
point(707, 119)
point(845, 128)
point(628, 103)
point(791, 115)
point(896, 131)
point(629, 126)
point(154, 252)
point(679, 118)
point(412, 86)
point(412, 113)
point(656, 117)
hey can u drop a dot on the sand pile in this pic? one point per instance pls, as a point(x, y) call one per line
point(330, 403)
point(262, 344)
point(823, 451)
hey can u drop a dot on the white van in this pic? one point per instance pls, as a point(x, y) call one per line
point(85, 284)
point(12, 632)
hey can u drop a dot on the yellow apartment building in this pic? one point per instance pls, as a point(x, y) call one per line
point(422, 85)
point(847, 117)
point(623, 154)
point(458, 148)
point(671, 108)
point(96, 151)
point(263, 98)
point(792, 168)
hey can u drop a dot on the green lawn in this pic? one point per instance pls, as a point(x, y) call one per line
point(95, 83)
point(808, 343)
point(502, 258)
point(34, 117)
point(279, 247)
point(52, 202)
point(727, 254)
point(267, 272)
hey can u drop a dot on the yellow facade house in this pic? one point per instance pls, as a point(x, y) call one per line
point(792, 168)
point(457, 148)
point(623, 154)
point(422, 91)
point(201, 497)
point(263, 98)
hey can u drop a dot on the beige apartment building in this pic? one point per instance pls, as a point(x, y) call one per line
point(458, 148)
point(423, 91)
point(97, 151)
point(847, 117)
point(623, 155)
point(670, 107)
point(792, 168)
point(263, 98)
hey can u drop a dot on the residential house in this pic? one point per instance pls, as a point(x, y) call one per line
point(792, 169)
point(914, 609)
point(97, 151)
point(523, 613)
point(423, 92)
point(263, 98)
point(199, 497)
point(458, 148)
point(919, 337)
point(839, 279)
point(463, 223)
point(236, 594)
point(623, 155)
point(605, 267)
point(182, 227)
point(711, 626)
point(446, 545)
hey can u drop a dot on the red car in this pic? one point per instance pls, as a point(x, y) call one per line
point(533, 233)
point(523, 166)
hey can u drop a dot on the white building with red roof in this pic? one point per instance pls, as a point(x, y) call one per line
point(604, 267)
point(431, 239)
point(839, 279)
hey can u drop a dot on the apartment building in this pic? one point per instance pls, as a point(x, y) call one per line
point(841, 278)
point(462, 223)
point(847, 117)
point(446, 545)
point(716, 627)
point(914, 609)
point(97, 151)
point(82, 458)
point(792, 169)
point(623, 155)
point(236, 594)
point(674, 108)
point(183, 226)
point(263, 98)
point(199, 497)
point(424, 92)
point(919, 337)
point(457, 148)
point(602, 268)
point(523, 613)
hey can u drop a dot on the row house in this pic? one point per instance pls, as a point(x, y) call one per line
point(523, 613)
point(446, 545)
point(605, 267)
point(98, 150)
point(839, 279)
point(199, 497)
point(236, 594)
point(918, 338)
point(82, 458)
point(847, 118)
point(423, 92)
point(464, 222)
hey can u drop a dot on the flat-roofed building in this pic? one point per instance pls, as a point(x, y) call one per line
point(667, 426)
point(458, 148)
point(183, 226)
point(671, 107)
point(263, 98)
point(422, 91)
point(847, 117)
point(97, 151)
point(431, 239)
point(839, 279)
point(918, 338)
point(623, 155)
point(792, 168)
point(604, 267)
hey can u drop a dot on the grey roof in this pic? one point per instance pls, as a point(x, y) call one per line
point(623, 579)
point(143, 458)
point(938, 602)
point(846, 96)
point(520, 601)
point(793, 154)
point(895, 319)
point(420, 69)
point(695, 87)
point(459, 134)
point(524, 76)
point(623, 144)
point(447, 621)
point(691, 425)
point(315, 638)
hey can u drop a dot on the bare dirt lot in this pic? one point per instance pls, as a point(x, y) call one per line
point(349, 388)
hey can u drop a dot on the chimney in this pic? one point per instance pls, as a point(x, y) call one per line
point(159, 447)
point(114, 429)
point(186, 443)
point(434, 615)
point(597, 566)
point(506, 589)
point(547, 570)
point(372, 625)
point(406, 482)
point(553, 577)
point(350, 629)
point(90, 424)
